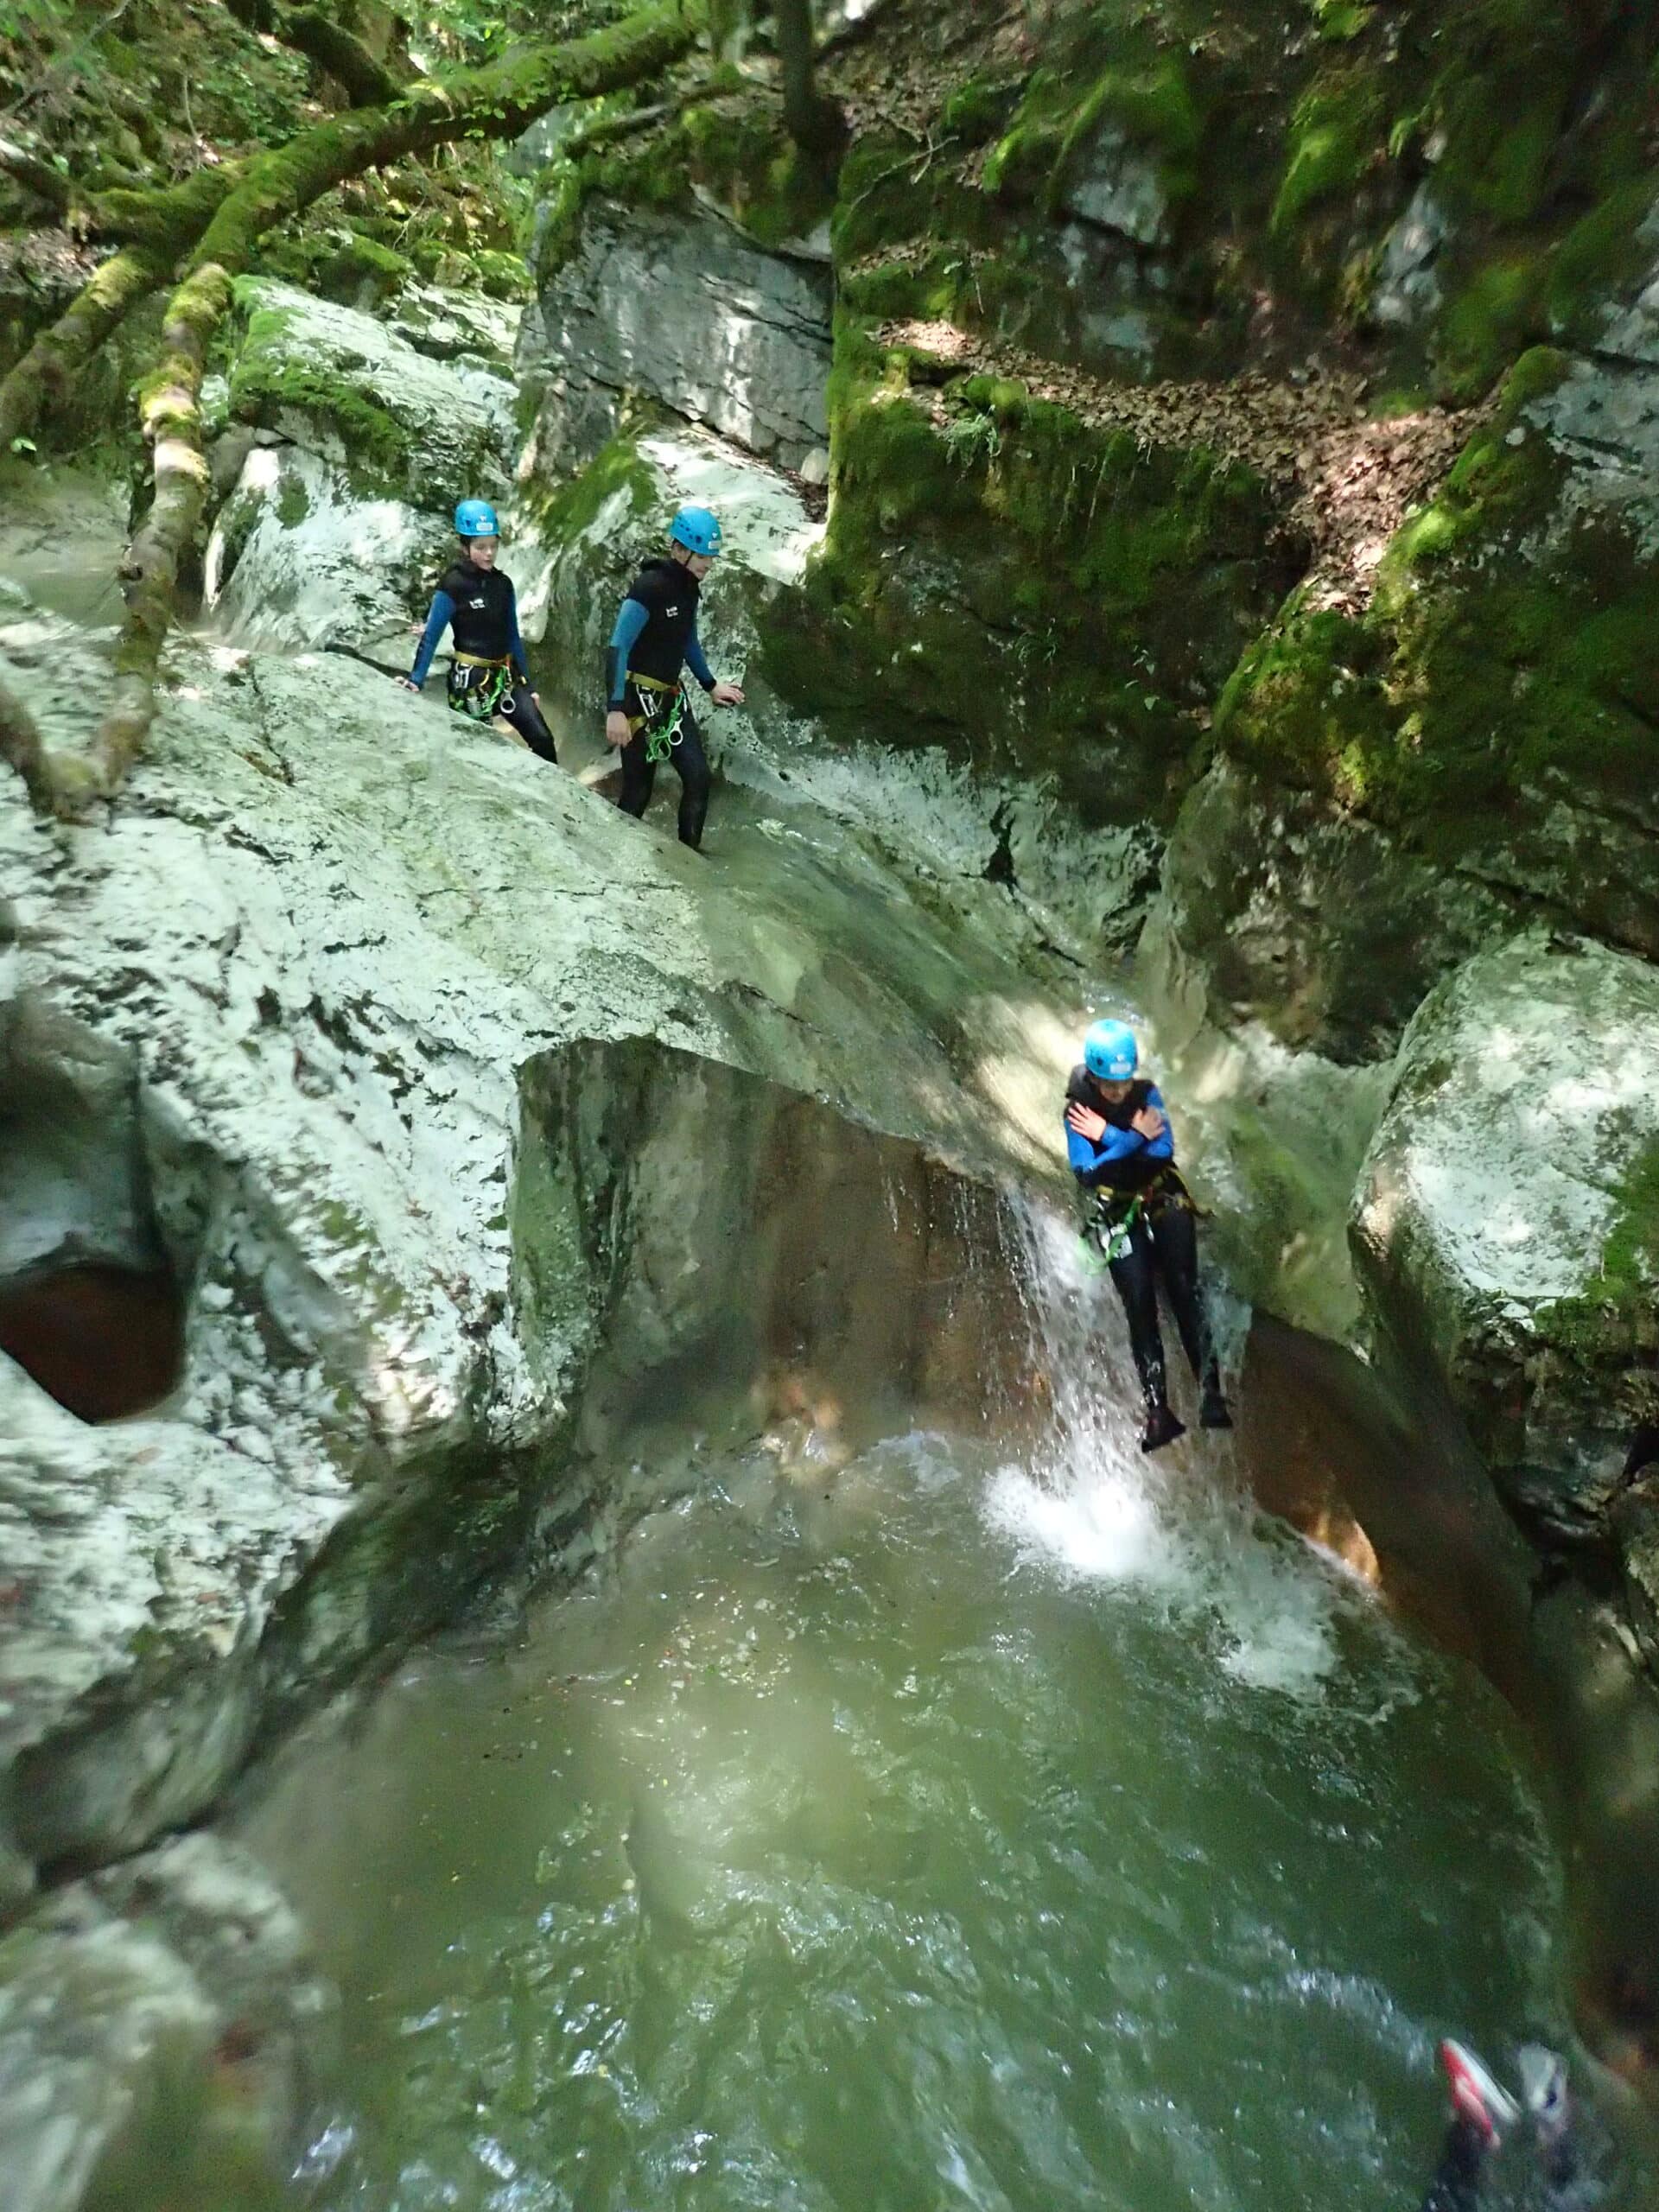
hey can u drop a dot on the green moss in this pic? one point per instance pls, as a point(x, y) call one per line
point(1630, 1255)
point(616, 468)
point(1337, 131)
point(740, 153)
point(1145, 94)
point(1618, 1303)
point(975, 112)
point(293, 504)
point(1498, 312)
point(270, 374)
point(1064, 590)
point(1599, 253)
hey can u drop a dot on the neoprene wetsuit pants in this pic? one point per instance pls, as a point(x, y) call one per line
point(1164, 1241)
point(526, 717)
point(691, 765)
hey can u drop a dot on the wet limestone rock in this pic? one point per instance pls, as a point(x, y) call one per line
point(1507, 1220)
point(919, 803)
point(686, 311)
point(353, 438)
point(272, 1023)
point(176, 1984)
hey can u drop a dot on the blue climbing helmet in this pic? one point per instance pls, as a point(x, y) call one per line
point(697, 531)
point(1108, 1052)
point(476, 518)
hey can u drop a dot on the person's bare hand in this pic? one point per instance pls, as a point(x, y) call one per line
point(1149, 1123)
point(728, 694)
point(1085, 1122)
point(616, 728)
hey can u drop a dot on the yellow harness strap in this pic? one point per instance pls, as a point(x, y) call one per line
point(478, 660)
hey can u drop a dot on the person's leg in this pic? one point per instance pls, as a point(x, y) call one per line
point(638, 774)
point(1135, 1277)
point(519, 708)
point(696, 781)
point(1175, 1237)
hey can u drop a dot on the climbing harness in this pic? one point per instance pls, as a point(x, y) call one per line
point(664, 718)
point(1110, 1232)
point(479, 688)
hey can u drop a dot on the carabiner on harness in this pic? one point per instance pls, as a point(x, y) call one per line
point(661, 738)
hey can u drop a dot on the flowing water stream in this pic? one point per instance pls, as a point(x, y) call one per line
point(941, 1825)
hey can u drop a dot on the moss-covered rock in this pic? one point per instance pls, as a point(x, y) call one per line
point(1000, 577)
point(1491, 717)
point(342, 385)
point(1508, 1217)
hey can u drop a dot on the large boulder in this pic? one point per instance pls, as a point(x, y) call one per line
point(683, 309)
point(1406, 781)
point(349, 440)
point(1319, 927)
point(268, 1054)
point(1507, 1220)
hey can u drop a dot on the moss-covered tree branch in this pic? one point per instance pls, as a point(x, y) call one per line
point(170, 414)
point(497, 100)
point(40, 380)
point(365, 81)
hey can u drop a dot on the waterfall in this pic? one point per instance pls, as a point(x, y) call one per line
point(1178, 1527)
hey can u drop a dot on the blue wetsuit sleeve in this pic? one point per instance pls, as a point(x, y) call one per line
point(1088, 1161)
point(696, 661)
point(630, 622)
point(1162, 1148)
point(443, 609)
point(515, 642)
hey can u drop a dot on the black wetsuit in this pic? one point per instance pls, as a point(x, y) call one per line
point(1143, 1219)
point(1456, 2186)
point(657, 649)
point(480, 609)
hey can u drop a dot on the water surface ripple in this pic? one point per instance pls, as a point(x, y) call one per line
point(937, 1833)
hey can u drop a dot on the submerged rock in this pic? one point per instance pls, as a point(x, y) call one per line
point(1508, 1217)
point(176, 1985)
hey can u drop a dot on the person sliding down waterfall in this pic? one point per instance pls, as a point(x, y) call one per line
point(1117, 1135)
point(489, 675)
point(649, 718)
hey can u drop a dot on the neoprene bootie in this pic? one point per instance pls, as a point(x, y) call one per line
point(1213, 1411)
point(1161, 1428)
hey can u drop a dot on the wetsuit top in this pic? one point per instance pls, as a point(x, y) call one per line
point(482, 608)
point(1123, 1160)
point(656, 632)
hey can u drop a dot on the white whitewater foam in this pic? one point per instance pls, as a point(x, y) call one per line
point(1095, 1509)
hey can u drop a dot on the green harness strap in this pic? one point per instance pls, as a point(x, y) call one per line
point(1111, 1239)
point(661, 738)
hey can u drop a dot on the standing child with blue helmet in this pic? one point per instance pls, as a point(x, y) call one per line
point(489, 674)
point(1118, 1139)
point(648, 717)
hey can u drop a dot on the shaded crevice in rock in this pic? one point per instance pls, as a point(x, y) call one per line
point(104, 1341)
point(90, 1302)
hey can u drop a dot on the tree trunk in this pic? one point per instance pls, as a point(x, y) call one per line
point(815, 123)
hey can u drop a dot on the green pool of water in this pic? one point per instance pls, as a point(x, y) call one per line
point(931, 1833)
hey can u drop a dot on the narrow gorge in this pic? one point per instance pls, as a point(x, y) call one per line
point(581, 1622)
